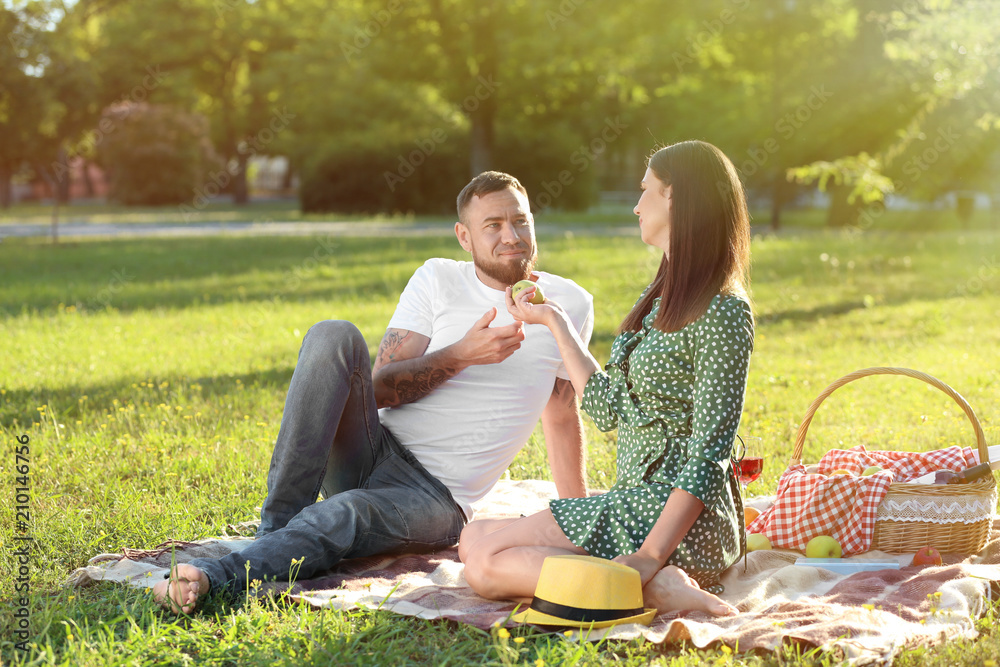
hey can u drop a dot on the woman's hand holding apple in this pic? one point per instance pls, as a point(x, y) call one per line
point(523, 310)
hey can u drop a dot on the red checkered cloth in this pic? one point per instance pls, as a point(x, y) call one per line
point(844, 506)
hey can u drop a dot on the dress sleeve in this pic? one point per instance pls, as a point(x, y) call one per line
point(597, 401)
point(724, 341)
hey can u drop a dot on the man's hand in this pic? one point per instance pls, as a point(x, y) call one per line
point(485, 345)
point(404, 374)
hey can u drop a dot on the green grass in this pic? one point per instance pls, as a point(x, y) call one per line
point(150, 377)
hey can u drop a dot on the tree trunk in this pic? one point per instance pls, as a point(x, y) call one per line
point(777, 195)
point(240, 195)
point(63, 178)
point(88, 182)
point(5, 189)
point(481, 104)
point(481, 157)
point(55, 221)
point(53, 187)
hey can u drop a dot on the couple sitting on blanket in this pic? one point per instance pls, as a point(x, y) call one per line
point(400, 451)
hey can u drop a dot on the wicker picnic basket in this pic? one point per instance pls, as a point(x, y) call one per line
point(953, 518)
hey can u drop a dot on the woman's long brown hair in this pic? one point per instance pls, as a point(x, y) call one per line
point(709, 250)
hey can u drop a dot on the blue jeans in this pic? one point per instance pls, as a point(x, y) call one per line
point(377, 497)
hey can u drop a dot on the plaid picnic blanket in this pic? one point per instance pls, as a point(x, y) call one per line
point(859, 619)
point(844, 506)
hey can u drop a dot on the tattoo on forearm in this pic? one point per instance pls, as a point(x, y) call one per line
point(417, 385)
point(391, 342)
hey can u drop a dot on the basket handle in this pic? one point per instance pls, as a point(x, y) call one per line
point(800, 437)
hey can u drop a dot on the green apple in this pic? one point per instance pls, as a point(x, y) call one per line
point(525, 284)
point(871, 470)
point(823, 546)
point(758, 542)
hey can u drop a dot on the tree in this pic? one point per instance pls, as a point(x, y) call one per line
point(485, 66)
point(947, 54)
point(19, 101)
point(213, 56)
point(47, 98)
point(157, 154)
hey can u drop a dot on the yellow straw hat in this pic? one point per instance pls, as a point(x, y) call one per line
point(583, 591)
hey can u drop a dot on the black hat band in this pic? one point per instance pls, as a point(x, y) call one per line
point(581, 614)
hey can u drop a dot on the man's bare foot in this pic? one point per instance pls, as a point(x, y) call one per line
point(671, 590)
point(181, 591)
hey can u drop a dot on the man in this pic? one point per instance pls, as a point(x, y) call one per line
point(400, 451)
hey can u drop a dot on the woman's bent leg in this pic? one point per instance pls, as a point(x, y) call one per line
point(505, 563)
point(476, 530)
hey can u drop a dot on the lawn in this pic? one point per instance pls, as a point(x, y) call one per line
point(150, 376)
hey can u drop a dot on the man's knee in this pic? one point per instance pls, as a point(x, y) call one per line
point(334, 330)
point(329, 336)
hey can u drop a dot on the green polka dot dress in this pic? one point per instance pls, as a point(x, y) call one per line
point(676, 400)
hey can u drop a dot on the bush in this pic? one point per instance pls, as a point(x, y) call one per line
point(427, 179)
point(538, 161)
point(155, 154)
point(387, 180)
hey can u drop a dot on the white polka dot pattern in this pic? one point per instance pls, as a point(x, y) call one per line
point(676, 399)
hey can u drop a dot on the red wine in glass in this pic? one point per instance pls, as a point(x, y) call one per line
point(750, 469)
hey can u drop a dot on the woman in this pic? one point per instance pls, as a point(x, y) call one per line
point(673, 387)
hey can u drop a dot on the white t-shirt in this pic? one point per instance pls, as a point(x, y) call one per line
point(468, 430)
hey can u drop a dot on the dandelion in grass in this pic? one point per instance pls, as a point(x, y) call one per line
point(503, 633)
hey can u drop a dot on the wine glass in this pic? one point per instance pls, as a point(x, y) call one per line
point(751, 463)
point(748, 463)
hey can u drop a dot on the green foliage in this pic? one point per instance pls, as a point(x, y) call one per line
point(861, 174)
point(420, 178)
point(856, 90)
point(155, 154)
point(946, 58)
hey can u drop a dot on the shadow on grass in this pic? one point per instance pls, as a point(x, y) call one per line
point(803, 315)
point(20, 407)
point(131, 275)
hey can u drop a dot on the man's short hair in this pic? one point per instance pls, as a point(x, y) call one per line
point(484, 184)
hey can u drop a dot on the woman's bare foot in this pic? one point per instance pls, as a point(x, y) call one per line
point(671, 589)
point(181, 591)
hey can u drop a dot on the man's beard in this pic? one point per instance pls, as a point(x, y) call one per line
point(506, 272)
